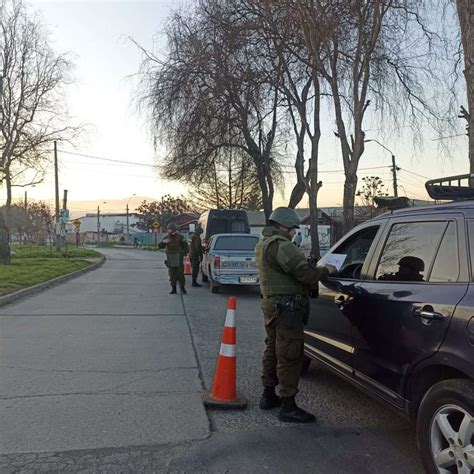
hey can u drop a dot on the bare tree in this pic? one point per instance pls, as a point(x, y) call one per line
point(211, 94)
point(368, 63)
point(465, 10)
point(231, 183)
point(31, 102)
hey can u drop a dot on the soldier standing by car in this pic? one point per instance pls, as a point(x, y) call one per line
point(285, 281)
point(176, 249)
point(195, 254)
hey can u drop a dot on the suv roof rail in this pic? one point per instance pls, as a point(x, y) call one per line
point(452, 188)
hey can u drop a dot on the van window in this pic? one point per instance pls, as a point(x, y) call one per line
point(227, 225)
point(236, 243)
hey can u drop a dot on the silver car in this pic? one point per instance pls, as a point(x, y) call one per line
point(229, 259)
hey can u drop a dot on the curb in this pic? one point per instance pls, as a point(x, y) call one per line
point(32, 290)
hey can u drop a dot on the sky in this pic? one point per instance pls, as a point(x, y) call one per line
point(96, 35)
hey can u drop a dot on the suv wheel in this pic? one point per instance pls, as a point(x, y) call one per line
point(445, 427)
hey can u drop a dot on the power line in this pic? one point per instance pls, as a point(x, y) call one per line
point(108, 159)
point(415, 174)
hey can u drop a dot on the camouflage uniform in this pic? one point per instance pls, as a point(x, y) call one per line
point(286, 280)
point(176, 249)
point(195, 253)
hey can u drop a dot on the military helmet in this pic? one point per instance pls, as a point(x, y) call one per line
point(172, 226)
point(414, 263)
point(286, 217)
point(198, 230)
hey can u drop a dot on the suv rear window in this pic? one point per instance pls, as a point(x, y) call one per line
point(470, 227)
point(446, 266)
point(236, 243)
point(411, 248)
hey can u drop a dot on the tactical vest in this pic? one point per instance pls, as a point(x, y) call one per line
point(273, 281)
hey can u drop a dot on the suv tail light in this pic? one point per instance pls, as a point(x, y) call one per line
point(217, 262)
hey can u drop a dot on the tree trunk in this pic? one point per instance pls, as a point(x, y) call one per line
point(8, 184)
point(266, 198)
point(466, 20)
point(350, 187)
point(300, 187)
point(313, 220)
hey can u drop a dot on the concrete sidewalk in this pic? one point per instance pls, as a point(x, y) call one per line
point(103, 361)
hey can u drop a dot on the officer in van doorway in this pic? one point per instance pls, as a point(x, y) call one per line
point(285, 282)
point(195, 253)
point(176, 249)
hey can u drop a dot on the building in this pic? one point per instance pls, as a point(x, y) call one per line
point(112, 227)
point(257, 222)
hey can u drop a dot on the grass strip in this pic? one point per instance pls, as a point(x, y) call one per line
point(33, 264)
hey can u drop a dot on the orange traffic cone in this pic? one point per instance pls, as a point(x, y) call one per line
point(187, 266)
point(224, 393)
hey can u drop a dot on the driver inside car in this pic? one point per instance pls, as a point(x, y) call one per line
point(409, 269)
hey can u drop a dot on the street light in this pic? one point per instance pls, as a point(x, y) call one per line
point(128, 226)
point(394, 166)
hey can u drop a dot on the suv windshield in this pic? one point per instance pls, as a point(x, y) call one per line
point(236, 243)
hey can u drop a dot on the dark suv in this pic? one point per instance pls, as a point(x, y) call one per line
point(397, 320)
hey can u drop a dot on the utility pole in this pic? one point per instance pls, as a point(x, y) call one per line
point(98, 225)
point(26, 200)
point(394, 173)
point(393, 167)
point(128, 228)
point(128, 220)
point(56, 184)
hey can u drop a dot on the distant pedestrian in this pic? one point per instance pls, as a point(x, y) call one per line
point(195, 253)
point(285, 282)
point(176, 249)
point(297, 239)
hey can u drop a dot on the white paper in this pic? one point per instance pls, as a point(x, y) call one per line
point(335, 259)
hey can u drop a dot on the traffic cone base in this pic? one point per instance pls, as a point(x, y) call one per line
point(224, 393)
point(238, 402)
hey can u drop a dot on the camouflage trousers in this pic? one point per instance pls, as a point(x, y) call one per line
point(195, 264)
point(283, 355)
point(176, 275)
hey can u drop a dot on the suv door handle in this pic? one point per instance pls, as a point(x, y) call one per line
point(427, 312)
point(340, 301)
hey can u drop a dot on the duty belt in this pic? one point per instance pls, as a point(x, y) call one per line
point(296, 297)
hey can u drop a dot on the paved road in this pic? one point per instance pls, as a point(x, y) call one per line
point(104, 373)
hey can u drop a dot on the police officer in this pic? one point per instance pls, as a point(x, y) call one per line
point(195, 253)
point(176, 249)
point(285, 282)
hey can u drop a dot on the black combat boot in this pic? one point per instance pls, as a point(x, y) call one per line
point(173, 290)
point(183, 290)
point(291, 413)
point(196, 284)
point(269, 399)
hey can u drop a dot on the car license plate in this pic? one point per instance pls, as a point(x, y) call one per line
point(248, 279)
